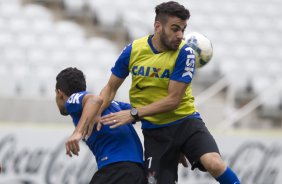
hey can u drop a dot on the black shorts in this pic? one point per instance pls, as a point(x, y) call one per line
point(120, 173)
point(164, 145)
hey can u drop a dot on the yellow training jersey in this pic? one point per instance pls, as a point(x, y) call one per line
point(151, 72)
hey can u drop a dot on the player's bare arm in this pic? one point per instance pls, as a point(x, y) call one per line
point(108, 94)
point(91, 105)
point(176, 91)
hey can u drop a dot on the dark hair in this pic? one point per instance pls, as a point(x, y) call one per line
point(171, 9)
point(71, 80)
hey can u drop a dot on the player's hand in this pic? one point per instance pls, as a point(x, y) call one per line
point(72, 144)
point(88, 127)
point(99, 126)
point(98, 123)
point(183, 160)
point(117, 119)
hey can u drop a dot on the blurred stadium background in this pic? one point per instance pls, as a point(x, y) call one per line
point(239, 93)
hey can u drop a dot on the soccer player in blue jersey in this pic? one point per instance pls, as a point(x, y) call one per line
point(118, 152)
point(162, 67)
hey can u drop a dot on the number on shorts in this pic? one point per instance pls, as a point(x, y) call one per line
point(150, 162)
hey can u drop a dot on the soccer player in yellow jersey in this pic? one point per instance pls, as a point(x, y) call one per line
point(162, 68)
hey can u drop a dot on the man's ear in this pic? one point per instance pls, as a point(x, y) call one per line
point(60, 93)
point(157, 26)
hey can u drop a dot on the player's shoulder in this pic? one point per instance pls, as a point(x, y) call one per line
point(121, 105)
point(186, 49)
point(186, 52)
point(76, 98)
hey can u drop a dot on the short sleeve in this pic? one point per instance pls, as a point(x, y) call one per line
point(184, 66)
point(121, 66)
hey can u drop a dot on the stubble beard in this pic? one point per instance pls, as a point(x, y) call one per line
point(165, 43)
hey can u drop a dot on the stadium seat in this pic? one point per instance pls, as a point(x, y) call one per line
point(18, 24)
point(13, 56)
point(50, 41)
point(85, 58)
point(75, 8)
point(65, 28)
point(6, 39)
point(59, 57)
point(97, 7)
point(74, 43)
point(100, 45)
point(38, 57)
point(41, 27)
point(27, 40)
point(10, 9)
point(36, 12)
point(96, 78)
point(8, 87)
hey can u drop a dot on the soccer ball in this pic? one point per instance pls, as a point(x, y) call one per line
point(202, 47)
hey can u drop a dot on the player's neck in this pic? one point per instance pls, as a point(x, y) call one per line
point(157, 44)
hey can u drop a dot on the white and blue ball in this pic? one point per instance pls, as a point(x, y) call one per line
point(202, 47)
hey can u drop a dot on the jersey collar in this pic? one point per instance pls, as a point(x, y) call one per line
point(151, 44)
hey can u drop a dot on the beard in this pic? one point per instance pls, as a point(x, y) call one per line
point(63, 112)
point(166, 43)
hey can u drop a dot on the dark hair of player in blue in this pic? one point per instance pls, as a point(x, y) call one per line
point(171, 9)
point(71, 80)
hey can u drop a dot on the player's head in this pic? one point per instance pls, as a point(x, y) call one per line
point(68, 81)
point(170, 23)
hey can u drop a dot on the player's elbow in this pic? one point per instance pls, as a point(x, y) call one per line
point(95, 100)
point(99, 100)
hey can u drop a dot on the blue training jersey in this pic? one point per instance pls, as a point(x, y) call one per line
point(108, 145)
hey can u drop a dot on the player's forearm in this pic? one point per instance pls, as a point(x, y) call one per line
point(165, 105)
point(176, 91)
point(91, 108)
point(107, 94)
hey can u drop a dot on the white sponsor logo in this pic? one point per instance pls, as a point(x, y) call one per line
point(74, 98)
point(190, 64)
point(104, 158)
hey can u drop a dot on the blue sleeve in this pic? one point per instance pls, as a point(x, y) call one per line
point(124, 106)
point(74, 102)
point(184, 66)
point(121, 66)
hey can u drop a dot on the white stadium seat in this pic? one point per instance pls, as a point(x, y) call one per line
point(41, 27)
point(65, 28)
point(38, 57)
point(10, 10)
point(75, 8)
point(6, 39)
point(101, 45)
point(33, 11)
point(27, 40)
point(8, 87)
point(18, 24)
